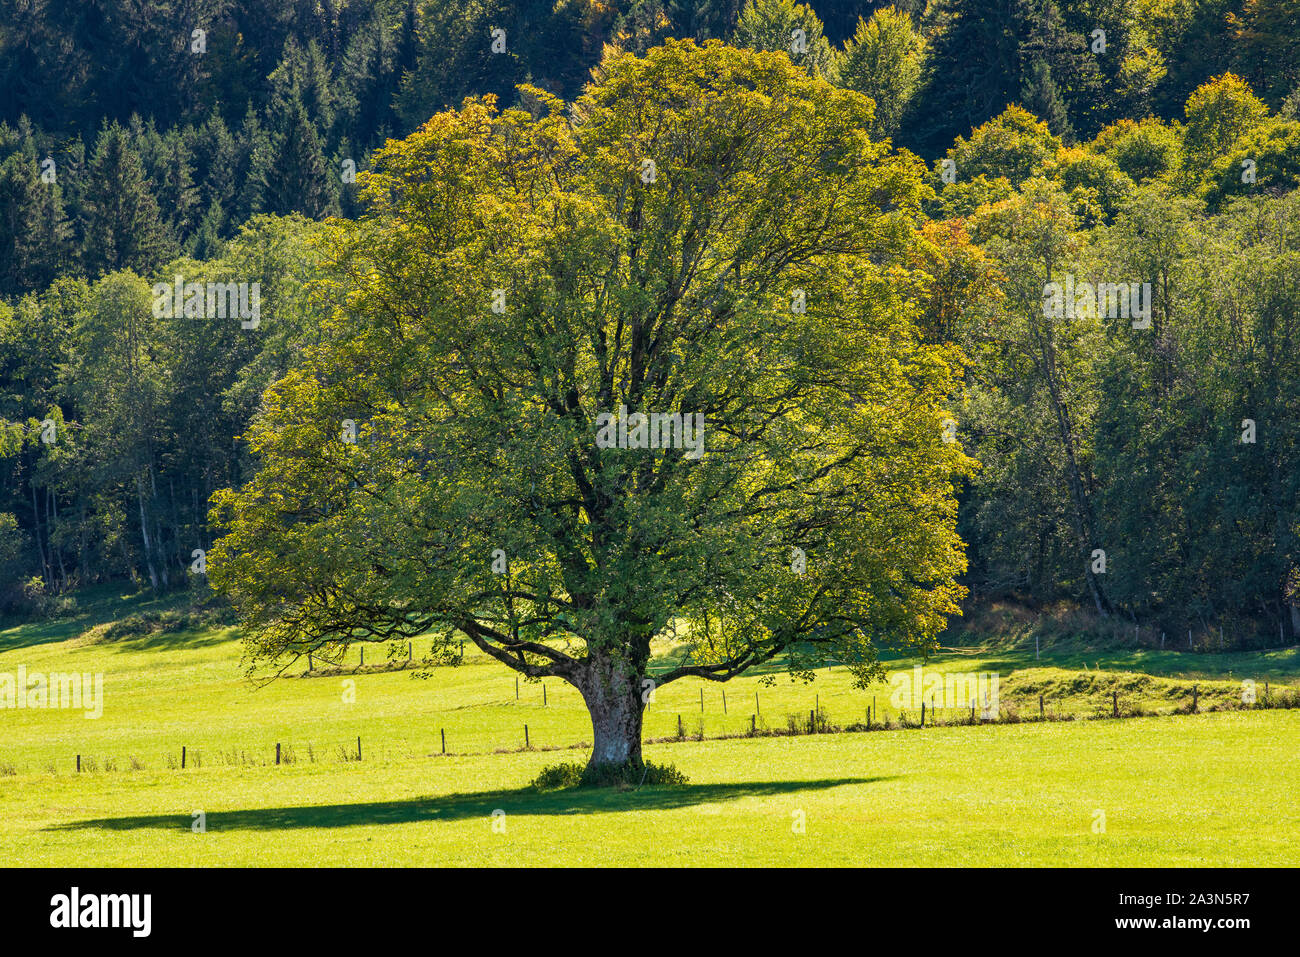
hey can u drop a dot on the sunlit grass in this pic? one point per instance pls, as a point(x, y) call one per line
point(1207, 788)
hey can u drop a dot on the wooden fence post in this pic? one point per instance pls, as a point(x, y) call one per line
point(1114, 700)
point(756, 711)
point(701, 699)
point(812, 722)
point(1195, 696)
point(724, 700)
point(1040, 707)
point(363, 656)
point(78, 764)
point(182, 757)
point(681, 732)
point(527, 746)
point(444, 739)
point(923, 712)
point(277, 752)
point(358, 747)
point(543, 694)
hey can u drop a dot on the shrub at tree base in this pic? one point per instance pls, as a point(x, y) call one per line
point(574, 775)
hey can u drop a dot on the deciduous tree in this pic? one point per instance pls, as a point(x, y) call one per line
point(707, 232)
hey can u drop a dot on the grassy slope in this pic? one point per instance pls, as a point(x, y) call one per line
point(1199, 789)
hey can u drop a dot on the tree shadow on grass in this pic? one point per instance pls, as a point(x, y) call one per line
point(461, 807)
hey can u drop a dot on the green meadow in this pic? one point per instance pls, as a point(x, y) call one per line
point(1211, 788)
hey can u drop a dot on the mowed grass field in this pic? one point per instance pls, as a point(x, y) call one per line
point(1205, 789)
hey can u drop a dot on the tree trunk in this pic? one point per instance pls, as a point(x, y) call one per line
point(1084, 524)
point(47, 572)
point(144, 532)
point(613, 698)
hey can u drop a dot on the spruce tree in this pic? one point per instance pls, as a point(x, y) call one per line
point(123, 228)
point(178, 197)
point(18, 188)
point(291, 175)
point(34, 232)
point(207, 242)
point(1040, 96)
point(255, 155)
point(216, 161)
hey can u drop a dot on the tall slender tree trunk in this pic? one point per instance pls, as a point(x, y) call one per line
point(47, 573)
point(83, 560)
point(159, 547)
point(1084, 525)
point(144, 532)
point(57, 552)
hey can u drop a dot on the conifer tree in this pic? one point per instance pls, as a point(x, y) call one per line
point(291, 174)
point(1040, 96)
point(123, 228)
point(34, 232)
